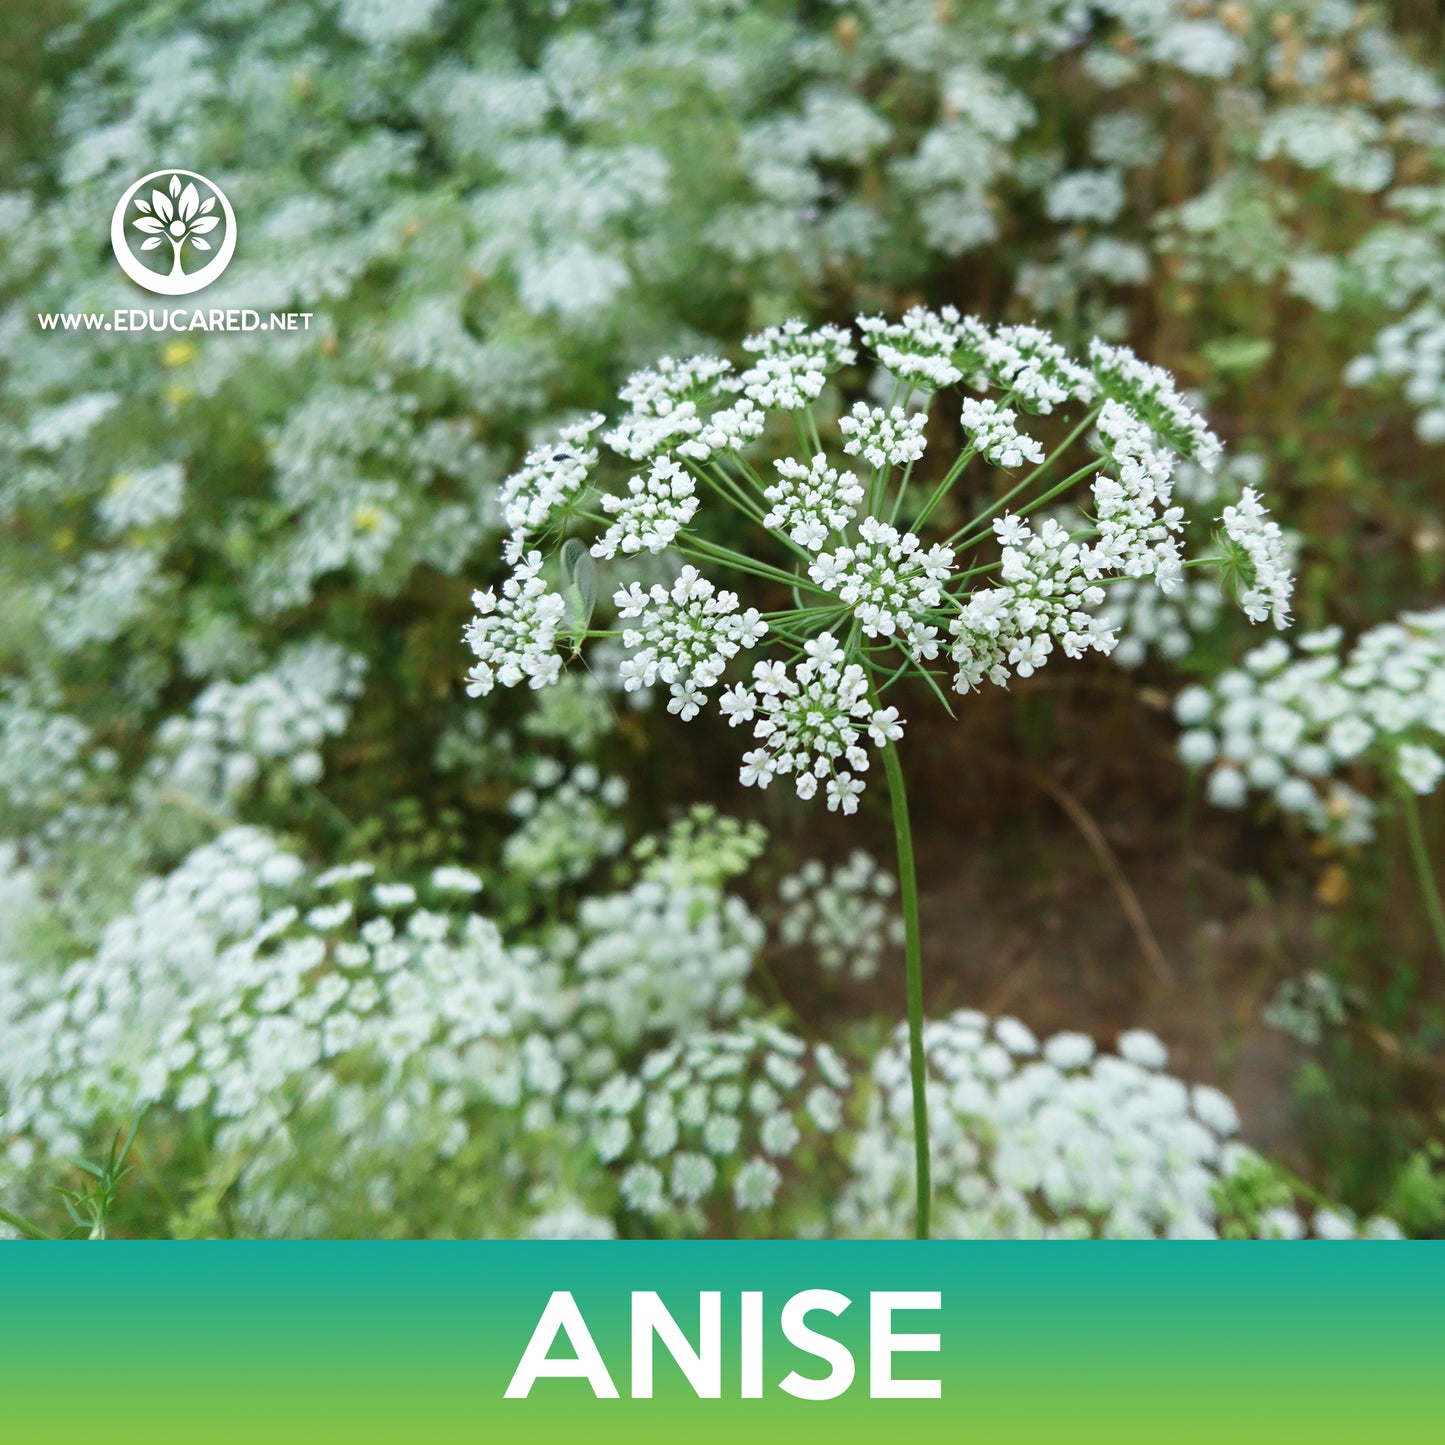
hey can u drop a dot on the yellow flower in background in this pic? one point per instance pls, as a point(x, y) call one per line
point(367, 518)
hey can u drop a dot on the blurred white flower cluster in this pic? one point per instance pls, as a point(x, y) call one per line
point(283, 716)
point(1054, 1140)
point(845, 916)
point(1308, 725)
point(329, 1052)
point(716, 1120)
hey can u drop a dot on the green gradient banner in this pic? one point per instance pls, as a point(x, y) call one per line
point(400, 1342)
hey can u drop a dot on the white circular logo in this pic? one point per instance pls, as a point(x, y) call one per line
point(173, 215)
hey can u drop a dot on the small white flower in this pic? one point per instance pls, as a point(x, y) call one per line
point(693, 1175)
point(811, 502)
point(889, 579)
point(1227, 788)
point(654, 510)
point(844, 791)
point(514, 636)
point(993, 432)
point(884, 439)
point(333, 915)
point(1069, 1050)
point(756, 1185)
point(394, 895)
point(721, 1135)
point(1141, 1047)
point(1421, 768)
point(685, 637)
point(779, 1135)
point(885, 726)
point(824, 1109)
point(450, 879)
point(643, 1191)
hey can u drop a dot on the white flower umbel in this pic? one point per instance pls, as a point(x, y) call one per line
point(569, 823)
point(847, 916)
point(719, 1122)
point(1045, 597)
point(679, 406)
point(1055, 1141)
point(1149, 392)
point(872, 585)
point(992, 430)
point(684, 637)
point(812, 502)
point(884, 439)
point(1032, 367)
point(891, 582)
point(653, 511)
point(272, 725)
point(794, 364)
point(550, 479)
point(660, 959)
point(1290, 722)
point(312, 1041)
point(514, 635)
point(810, 723)
point(665, 402)
point(858, 583)
point(1270, 583)
point(1136, 524)
point(920, 348)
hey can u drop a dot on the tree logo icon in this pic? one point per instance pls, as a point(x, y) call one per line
point(166, 223)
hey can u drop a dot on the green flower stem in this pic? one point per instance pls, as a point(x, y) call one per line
point(25, 1227)
point(805, 614)
point(982, 570)
point(813, 433)
point(750, 472)
point(902, 492)
point(727, 489)
point(942, 490)
point(962, 541)
point(878, 670)
point(913, 954)
point(877, 490)
point(956, 470)
point(736, 560)
point(1420, 853)
point(799, 636)
point(1088, 420)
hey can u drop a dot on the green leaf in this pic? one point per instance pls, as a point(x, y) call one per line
point(18, 1221)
